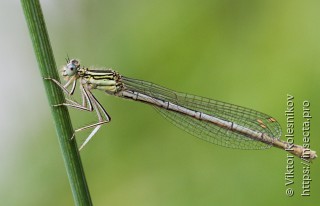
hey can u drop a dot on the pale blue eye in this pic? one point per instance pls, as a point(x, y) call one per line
point(71, 69)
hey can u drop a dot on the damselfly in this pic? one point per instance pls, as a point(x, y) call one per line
point(215, 121)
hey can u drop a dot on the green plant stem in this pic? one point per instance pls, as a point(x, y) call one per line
point(47, 65)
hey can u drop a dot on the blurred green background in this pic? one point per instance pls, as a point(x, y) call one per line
point(250, 53)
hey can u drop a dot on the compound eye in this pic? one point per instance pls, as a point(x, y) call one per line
point(75, 62)
point(71, 69)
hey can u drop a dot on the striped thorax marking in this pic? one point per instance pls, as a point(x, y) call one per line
point(107, 80)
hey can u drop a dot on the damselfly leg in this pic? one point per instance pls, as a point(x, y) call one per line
point(89, 103)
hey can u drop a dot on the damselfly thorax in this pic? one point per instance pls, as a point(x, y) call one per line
point(106, 80)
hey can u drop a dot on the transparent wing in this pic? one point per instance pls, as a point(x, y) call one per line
point(245, 117)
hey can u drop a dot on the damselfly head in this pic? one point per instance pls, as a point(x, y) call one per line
point(71, 68)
